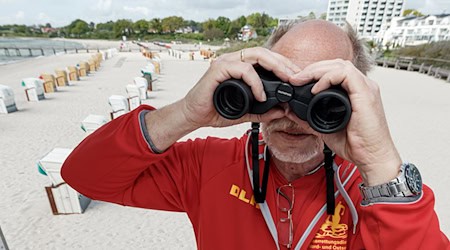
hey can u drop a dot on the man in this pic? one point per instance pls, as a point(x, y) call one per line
point(138, 161)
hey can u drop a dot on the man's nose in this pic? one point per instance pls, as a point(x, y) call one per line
point(286, 108)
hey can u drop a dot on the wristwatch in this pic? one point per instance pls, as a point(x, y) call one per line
point(407, 184)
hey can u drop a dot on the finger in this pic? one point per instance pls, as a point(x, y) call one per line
point(283, 68)
point(246, 72)
point(351, 80)
point(314, 71)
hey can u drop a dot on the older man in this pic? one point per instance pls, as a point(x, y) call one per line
point(138, 161)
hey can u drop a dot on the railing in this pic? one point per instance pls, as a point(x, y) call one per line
point(438, 68)
point(41, 51)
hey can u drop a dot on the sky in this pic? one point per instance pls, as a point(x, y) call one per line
point(62, 12)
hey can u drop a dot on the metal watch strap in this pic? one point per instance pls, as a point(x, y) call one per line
point(391, 189)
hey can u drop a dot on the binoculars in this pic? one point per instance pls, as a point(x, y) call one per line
point(327, 112)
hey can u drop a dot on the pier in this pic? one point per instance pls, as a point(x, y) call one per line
point(42, 51)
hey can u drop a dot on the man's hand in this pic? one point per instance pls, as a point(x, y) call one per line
point(198, 105)
point(366, 141)
point(197, 109)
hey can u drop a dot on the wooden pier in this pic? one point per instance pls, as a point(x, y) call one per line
point(42, 51)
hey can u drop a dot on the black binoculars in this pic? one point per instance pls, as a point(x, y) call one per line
point(327, 112)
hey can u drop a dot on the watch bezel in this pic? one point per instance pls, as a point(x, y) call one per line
point(413, 178)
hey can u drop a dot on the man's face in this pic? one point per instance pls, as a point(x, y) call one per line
point(289, 138)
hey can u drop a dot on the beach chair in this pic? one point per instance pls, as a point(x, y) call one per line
point(7, 102)
point(49, 83)
point(147, 74)
point(142, 84)
point(34, 89)
point(73, 73)
point(92, 65)
point(61, 77)
point(3, 245)
point(92, 123)
point(83, 68)
point(63, 198)
point(133, 92)
point(119, 105)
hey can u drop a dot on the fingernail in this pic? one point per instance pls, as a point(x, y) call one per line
point(263, 96)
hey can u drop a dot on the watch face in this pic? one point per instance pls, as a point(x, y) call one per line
point(413, 178)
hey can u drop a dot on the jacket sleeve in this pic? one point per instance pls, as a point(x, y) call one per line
point(116, 164)
point(403, 226)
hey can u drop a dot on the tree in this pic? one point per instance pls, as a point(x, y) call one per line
point(258, 20)
point(223, 23)
point(123, 27)
point(141, 26)
point(209, 24)
point(412, 12)
point(234, 29)
point(242, 20)
point(78, 28)
point(323, 16)
point(172, 23)
point(108, 26)
point(156, 25)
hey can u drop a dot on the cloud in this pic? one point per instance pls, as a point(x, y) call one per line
point(137, 10)
point(20, 15)
point(104, 5)
point(43, 16)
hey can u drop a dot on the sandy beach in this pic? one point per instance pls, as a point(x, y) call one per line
point(417, 108)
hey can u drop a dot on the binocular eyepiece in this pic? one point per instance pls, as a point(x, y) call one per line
point(327, 112)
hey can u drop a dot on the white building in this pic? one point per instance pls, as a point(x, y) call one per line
point(367, 17)
point(413, 30)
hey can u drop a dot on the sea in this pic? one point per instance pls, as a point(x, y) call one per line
point(25, 48)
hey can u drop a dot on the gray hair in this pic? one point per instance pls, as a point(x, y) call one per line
point(361, 58)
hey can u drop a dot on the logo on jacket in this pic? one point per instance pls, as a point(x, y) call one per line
point(242, 195)
point(332, 234)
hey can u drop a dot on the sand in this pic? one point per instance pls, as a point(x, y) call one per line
point(417, 108)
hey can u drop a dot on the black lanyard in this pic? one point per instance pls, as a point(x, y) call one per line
point(260, 193)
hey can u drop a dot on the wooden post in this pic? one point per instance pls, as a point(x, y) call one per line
point(31, 53)
point(3, 244)
point(421, 68)
point(410, 66)
point(7, 52)
point(42, 51)
point(18, 52)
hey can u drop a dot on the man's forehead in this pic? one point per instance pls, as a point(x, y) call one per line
point(314, 41)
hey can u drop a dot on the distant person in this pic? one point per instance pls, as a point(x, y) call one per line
point(135, 160)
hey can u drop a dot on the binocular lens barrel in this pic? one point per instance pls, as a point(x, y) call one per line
point(232, 99)
point(329, 111)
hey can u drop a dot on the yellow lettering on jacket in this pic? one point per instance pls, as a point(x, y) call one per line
point(241, 194)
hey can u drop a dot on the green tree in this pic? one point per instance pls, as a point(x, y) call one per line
point(242, 20)
point(123, 27)
point(172, 23)
point(108, 26)
point(234, 29)
point(223, 23)
point(209, 24)
point(78, 28)
point(258, 20)
point(412, 12)
point(141, 26)
point(156, 25)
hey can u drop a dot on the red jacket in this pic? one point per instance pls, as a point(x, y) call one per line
point(208, 179)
